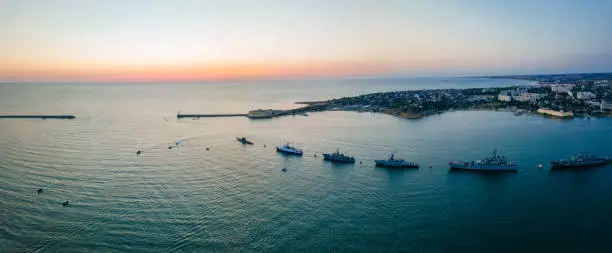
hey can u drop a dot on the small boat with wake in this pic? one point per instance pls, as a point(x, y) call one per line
point(395, 163)
point(243, 140)
point(288, 149)
point(338, 157)
point(580, 161)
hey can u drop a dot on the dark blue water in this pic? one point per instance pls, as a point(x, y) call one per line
point(234, 198)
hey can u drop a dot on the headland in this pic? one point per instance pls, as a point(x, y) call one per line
point(556, 96)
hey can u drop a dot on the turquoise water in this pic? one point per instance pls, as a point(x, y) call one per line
point(234, 198)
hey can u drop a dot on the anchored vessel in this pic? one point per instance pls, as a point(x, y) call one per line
point(395, 163)
point(581, 160)
point(287, 149)
point(244, 140)
point(338, 157)
point(493, 162)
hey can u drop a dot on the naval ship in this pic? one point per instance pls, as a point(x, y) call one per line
point(287, 149)
point(395, 163)
point(338, 157)
point(581, 160)
point(493, 162)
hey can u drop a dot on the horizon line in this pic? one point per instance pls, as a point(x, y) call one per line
point(280, 78)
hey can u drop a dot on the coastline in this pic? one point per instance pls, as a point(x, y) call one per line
point(421, 115)
point(539, 96)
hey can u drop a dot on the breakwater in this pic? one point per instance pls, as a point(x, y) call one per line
point(37, 117)
point(210, 115)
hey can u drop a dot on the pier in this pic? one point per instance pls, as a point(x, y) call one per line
point(254, 114)
point(209, 115)
point(37, 117)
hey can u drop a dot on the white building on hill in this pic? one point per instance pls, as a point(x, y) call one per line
point(583, 95)
point(529, 97)
point(503, 97)
point(562, 87)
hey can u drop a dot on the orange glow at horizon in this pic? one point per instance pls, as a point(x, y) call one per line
point(70, 71)
point(193, 72)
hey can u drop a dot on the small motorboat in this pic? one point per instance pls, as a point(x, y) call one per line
point(243, 140)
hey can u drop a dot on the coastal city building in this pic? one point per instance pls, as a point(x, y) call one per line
point(475, 98)
point(505, 98)
point(599, 82)
point(529, 97)
point(562, 87)
point(595, 104)
point(584, 95)
point(605, 105)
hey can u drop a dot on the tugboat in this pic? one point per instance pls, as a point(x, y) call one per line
point(491, 163)
point(580, 161)
point(338, 157)
point(395, 163)
point(244, 140)
point(287, 149)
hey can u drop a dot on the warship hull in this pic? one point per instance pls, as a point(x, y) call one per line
point(481, 167)
point(584, 164)
point(386, 164)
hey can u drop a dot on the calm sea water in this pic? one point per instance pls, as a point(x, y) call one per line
point(234, 198)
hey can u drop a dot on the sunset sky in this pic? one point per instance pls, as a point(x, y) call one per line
point(157, 40)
